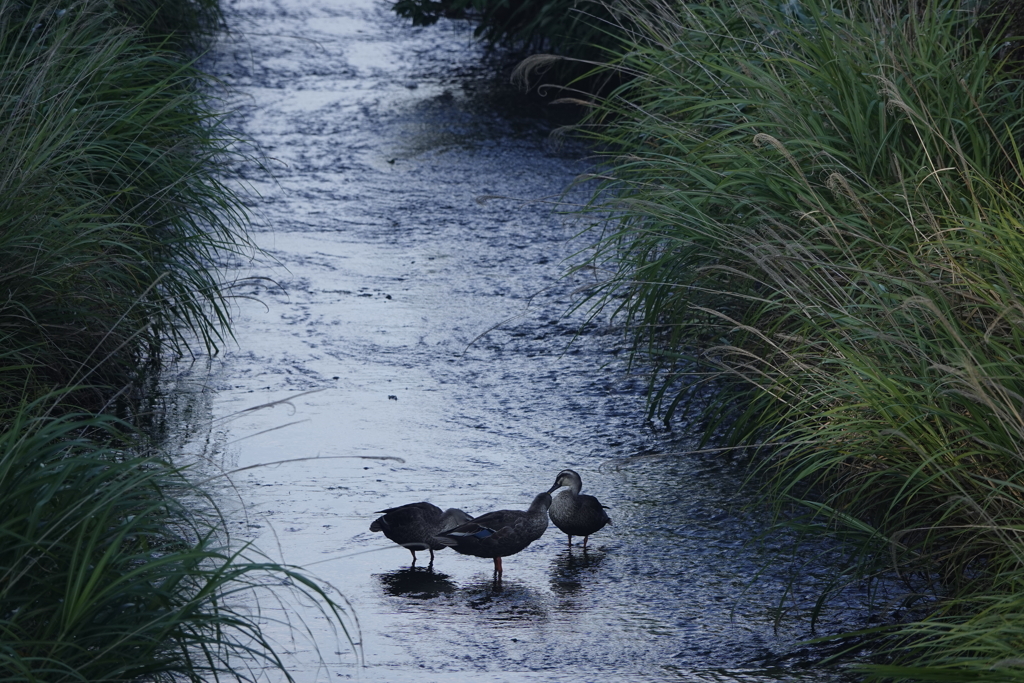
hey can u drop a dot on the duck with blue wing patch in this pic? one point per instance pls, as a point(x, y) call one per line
point(500, 533)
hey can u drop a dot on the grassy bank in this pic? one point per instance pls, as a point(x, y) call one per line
point(109, 572)
point(565, 26)
point(586, 30)
point(113, 221)
point(111, 210)
point(817, 209)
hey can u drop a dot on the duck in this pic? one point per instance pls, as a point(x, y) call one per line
point(574, 513)
point(415, 525)
point(500, 533)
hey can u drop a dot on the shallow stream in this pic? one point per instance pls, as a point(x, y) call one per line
point(432, 327)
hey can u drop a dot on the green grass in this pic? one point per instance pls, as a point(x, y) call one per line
point(114, 221)
point(112, 214)
point(109, 573)
point(817, 210)
point(584, 30)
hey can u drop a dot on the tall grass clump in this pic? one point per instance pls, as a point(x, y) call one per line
point(817, 209)
point(112, 214)
point(109, 573)
point(114, 221)
point(575, 31)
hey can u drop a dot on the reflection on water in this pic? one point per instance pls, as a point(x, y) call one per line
point(416, 583)
point(507, 601)
point(571, 570)
point(499, 601)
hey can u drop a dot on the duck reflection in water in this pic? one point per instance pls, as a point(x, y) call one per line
point(568, 571)
point(418, 584)
point(503, 602)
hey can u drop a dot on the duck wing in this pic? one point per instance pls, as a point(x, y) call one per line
point(412, 508)
point(411, 516)
point(483, 532)
point(452, 518)
point(579, 515)
point(466, 532)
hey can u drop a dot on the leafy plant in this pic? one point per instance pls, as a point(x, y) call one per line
point(113, 223)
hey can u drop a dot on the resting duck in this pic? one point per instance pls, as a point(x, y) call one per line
point(415, 525)
point(500, 533)
point(574, 513)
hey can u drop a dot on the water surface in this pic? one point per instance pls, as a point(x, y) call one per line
point(432, 326)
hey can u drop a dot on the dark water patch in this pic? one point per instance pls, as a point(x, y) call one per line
point(416, 583)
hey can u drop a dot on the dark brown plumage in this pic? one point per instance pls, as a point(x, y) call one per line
point(500, 533)
point(415, 525)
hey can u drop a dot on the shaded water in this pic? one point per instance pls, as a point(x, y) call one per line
point(434, 327)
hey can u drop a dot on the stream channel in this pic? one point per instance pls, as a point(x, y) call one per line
point(431, 327)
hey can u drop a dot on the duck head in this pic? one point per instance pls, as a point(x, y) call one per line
point(568, 478)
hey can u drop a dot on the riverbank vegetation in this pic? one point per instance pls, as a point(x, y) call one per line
point(818, 210)
point(586, 30)
point(113, 220)
point(111, 209)
point(565, 26)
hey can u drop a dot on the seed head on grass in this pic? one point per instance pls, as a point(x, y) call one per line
point(874, 332)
